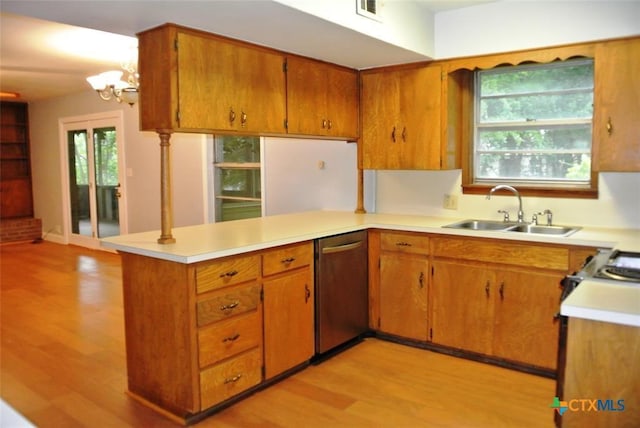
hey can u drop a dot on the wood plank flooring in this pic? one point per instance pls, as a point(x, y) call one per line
point(63, 365)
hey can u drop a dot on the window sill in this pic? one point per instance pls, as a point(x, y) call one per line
point(544, 192)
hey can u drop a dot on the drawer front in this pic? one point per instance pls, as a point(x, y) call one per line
point(534, 256)
point(404, 242)
point(223, 273)
point(227, 303)
point(287, 258)
point(230, 378)
point(222, 340)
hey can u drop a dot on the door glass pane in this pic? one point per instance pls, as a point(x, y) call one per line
point(107, 184)
point(79, 182)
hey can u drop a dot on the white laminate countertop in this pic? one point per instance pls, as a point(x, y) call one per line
point(598, 300)
point(215, 240)
point(593, 299)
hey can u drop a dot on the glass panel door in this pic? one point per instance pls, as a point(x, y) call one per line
point(105, 153)
point(94, 185)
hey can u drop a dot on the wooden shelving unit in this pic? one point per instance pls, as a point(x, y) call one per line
point(16, 199)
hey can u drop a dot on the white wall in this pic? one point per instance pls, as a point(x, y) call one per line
point(142, 158)
point(509, 25)
point(512, 25)
point(402, 23)
point(294, 181)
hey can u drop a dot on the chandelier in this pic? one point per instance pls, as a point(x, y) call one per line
point(110, 84)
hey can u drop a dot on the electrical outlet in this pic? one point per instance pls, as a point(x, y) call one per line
point(450, 202)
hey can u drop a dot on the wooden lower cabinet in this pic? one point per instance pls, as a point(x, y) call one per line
point(503, 313)
point(603, 364)
point(288, 309)
point(199, 334)
point(403, 295)
point(403, 279)
point(498, 298)
point(462, 306)
point(525, 326)
point(495, 298)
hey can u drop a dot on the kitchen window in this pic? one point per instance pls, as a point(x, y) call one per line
point(237, 177)
point(532, 126)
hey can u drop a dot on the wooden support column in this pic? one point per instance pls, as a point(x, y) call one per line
point(360, 189)
point(166, 208)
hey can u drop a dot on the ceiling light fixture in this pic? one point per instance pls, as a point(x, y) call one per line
point(111, 85)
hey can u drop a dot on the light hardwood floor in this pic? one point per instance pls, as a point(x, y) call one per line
point(63, 365)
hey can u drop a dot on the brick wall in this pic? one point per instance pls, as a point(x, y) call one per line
point(20, 229)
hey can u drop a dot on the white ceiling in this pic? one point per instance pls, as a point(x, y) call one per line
point(49, 47)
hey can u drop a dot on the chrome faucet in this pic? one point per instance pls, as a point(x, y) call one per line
point(515, 192)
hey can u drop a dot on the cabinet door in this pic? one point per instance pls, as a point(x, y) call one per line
point(288, 321)
point(259, 83)
point(206, 86)
point(462, 301)
point(403, 295)
point(342, 102)
point(419, 130)
point(229, 87)
point(617, 106)
point(525, 328)
point(380, 107)
point(306, 96)
point(322, 99)
point(401, 119)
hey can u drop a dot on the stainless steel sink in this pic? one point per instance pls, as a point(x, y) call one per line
point(501, 226)
point(544, 230)
point(481, 225)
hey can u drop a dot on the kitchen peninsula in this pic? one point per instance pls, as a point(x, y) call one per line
point(197, 321)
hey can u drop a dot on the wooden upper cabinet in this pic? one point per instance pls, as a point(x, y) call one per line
point(401, 118)
point(616, 132)
point(322, 99)
point(193, 81)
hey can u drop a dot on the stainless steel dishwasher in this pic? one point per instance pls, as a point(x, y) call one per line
point(341, 290)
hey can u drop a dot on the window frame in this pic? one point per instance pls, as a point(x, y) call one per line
point(542, 189)
point(218, 167)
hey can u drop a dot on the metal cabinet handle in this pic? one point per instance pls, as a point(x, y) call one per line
point(502, 290)
point(233, 379)
point(487, 288)
point(229, 306)
point(609, 127)
point(229, 274)
point(324, 123)
point(243, 119)
point(232, 115)
point(288, 260)
point(393, 134)
point(307, 293)
point(231, 338)
point(403, 244)
point(404, 134)
point(421, 280)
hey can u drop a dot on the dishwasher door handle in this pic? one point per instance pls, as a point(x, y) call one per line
point(341, 248)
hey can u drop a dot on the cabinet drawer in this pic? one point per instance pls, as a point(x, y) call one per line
point(223, 273)
point(230, 337)
point(225, 304)
point(230, 378)
point(404, 242)
point(287, 258)
point(534, 256)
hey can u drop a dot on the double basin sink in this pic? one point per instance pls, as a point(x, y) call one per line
point(499, 226)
